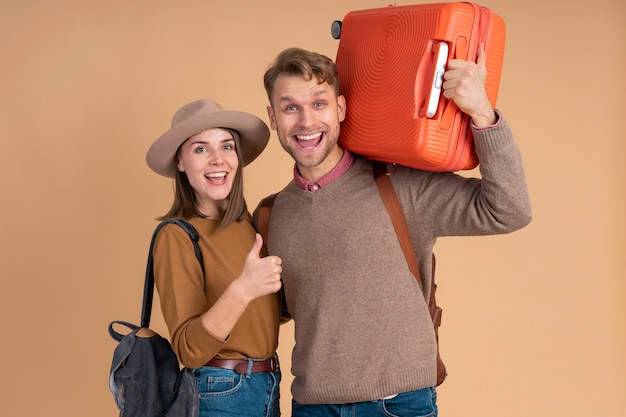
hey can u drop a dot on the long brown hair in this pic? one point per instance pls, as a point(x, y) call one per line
point(184, 204)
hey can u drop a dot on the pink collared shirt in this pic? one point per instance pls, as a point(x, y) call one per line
point(347, 160)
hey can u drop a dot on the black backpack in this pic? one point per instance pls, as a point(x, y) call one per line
point(145, 378)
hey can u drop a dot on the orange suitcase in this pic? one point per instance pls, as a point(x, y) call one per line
point(391, 62)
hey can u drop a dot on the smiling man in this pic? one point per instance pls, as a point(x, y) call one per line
point(365, 343)
point(309, 114)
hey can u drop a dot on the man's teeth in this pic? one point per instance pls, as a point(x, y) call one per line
point(309, 137)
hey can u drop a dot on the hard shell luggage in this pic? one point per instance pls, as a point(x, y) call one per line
point(390, 63)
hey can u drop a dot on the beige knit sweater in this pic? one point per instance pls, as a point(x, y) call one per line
point(362, 327)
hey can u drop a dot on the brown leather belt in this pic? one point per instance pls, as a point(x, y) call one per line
point(241, 365)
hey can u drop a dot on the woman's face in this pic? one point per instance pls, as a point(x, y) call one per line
point(209, 159)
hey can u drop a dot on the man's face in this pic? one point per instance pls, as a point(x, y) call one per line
point(306, 117)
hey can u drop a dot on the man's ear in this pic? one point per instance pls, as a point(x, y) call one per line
point(270, 114)
point(341, 108)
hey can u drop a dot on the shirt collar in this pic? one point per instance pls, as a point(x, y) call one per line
point(346, 162)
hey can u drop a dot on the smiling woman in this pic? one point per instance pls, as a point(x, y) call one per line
point(194, 119)
point(210, 163)
point(215, 327)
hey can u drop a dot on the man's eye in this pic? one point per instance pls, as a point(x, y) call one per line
point(290, 108)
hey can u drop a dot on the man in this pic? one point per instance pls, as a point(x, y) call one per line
point(365, 343)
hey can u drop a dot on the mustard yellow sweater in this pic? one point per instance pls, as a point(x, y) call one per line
point(186, 294)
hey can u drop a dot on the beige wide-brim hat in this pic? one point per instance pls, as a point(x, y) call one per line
point(198, 116)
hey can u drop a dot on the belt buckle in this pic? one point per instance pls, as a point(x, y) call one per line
point(274, 365)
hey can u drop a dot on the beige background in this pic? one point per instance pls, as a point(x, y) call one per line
point(534, 322)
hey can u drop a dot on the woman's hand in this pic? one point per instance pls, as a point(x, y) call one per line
point(260, 276)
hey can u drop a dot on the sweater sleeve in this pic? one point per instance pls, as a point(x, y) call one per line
point(450, 204)
point(503, 189)
point(180, 284)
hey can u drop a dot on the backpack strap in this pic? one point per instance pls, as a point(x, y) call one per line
point(261, 218)
point(148, 290)
point(392, 204)
point(260, 221)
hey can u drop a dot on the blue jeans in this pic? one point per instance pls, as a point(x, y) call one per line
point(420, 403)
point(225, 393)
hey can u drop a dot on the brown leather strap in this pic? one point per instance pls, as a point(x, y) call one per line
point(390, 198)
point(263, 213)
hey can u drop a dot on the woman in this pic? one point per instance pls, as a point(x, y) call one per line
point(223, 323)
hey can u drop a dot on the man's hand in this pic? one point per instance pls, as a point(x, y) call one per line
point(464, 83)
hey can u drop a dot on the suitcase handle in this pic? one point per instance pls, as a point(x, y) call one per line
point(429, 79)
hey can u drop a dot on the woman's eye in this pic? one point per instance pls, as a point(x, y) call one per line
point(200, 149)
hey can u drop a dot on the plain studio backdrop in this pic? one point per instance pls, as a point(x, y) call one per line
point(534, 322)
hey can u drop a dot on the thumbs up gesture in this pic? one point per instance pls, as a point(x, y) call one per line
point(260, 276)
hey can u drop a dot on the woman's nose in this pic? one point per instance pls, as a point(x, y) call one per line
point(215, 157)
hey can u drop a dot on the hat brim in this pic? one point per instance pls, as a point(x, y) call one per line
point(253, 132)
